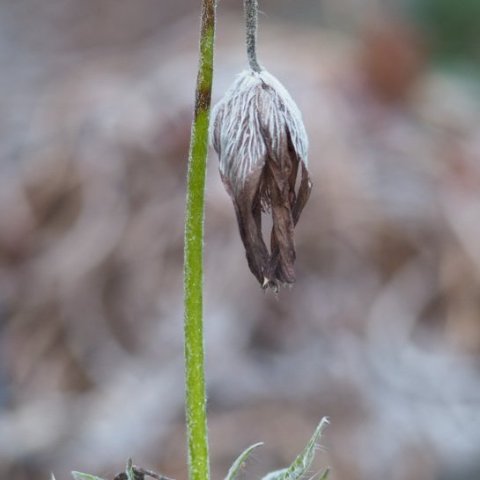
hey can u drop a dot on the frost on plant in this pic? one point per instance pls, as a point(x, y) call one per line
point(259, 136)
point(84, 476)
point(300, 466)
point(297, 470)
point(132, 472)
point(239, 463)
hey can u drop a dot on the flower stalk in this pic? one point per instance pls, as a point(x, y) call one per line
point(251, 24)
point(195, 402)
point(259, 136)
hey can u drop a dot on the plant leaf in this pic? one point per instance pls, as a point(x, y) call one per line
point(238, 463)
point(325, 474)
point(82, 476)
point(129, 470)
point(303, 462)
point(276, 475)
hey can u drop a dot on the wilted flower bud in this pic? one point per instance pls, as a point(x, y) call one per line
point(258, 134)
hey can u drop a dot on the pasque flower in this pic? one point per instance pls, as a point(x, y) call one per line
point(258, 134)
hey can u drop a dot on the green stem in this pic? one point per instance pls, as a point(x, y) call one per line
point(198, 462)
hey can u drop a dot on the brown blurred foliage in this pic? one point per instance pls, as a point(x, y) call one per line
point(381, 331)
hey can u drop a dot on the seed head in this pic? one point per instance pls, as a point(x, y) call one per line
point(259, 136)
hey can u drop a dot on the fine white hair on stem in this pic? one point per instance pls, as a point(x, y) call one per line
point(251, 27)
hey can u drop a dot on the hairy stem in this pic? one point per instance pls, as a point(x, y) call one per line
point(251, 24)
point(195, 407)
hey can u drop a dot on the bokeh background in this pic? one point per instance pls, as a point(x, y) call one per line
point(382, 330)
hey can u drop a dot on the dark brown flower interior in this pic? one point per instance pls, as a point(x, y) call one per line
point(272, 190)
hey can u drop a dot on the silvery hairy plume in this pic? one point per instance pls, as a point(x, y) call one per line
point(259, 136)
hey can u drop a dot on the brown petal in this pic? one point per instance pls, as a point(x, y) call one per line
point(286, 206)
point(282, 239)
point(249, 216)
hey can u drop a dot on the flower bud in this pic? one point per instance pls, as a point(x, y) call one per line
point(259, 136)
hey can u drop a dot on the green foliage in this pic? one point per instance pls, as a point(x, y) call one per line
point(325, 474)
point(82, 476)
point(129, 470)
point(452, 27)
point(239, 463)
point(297, 470)
point(303, 462)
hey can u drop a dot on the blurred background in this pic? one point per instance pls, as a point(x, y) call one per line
point(382, 330)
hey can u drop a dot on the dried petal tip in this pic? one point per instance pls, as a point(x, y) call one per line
point(259, 136)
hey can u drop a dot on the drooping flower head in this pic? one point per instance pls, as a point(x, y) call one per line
point(258, 134)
